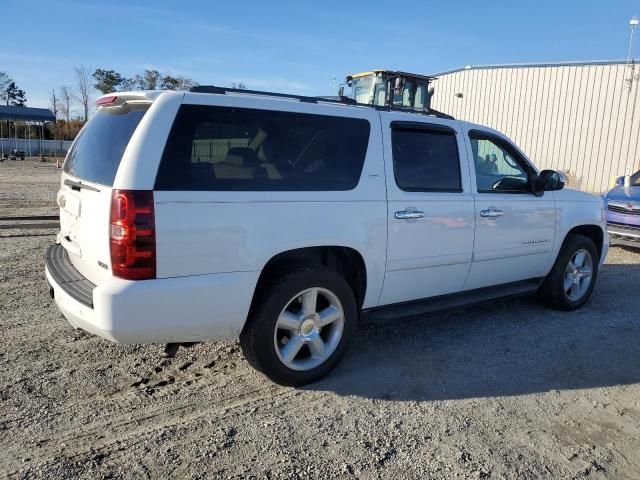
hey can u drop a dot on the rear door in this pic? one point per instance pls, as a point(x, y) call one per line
point(87, 180)
point(430, 208)
point(246, 177)
point(515, 230)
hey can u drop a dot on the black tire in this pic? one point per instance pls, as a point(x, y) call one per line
point(552, 291)
point(257, 337)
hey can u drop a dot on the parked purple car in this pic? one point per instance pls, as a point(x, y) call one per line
point(623, 212)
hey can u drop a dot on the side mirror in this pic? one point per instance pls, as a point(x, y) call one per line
point(620, 181)
point(551, 180)
point(341, 91)
point(536, 185)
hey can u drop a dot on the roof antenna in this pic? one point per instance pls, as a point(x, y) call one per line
point(628, 82)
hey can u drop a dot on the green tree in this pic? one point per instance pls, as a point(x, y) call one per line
point(107, 80)
point(176, 83)
point(151, 79)
point(15, 96)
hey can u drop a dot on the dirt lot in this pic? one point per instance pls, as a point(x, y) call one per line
point(508, 390)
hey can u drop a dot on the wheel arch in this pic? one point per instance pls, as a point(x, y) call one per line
point(347, 261)
point(593, 232)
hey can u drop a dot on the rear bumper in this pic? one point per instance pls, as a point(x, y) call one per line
point(67, 277)
point(621, 234)
point(183, 309)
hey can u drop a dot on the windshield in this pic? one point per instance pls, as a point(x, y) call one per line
point(635, 179)
point(97, 151)
point(361, 89)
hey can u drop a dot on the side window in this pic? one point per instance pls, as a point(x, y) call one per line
point(421, 95)
point(404, 98)
point(499, 168)
point(426, 160)
point(380, 94)
point(406, 94)
point(223, 148)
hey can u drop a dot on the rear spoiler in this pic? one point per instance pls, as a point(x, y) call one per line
point(118, 99)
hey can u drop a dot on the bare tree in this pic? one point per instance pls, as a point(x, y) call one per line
point(65, 106)
point(151, 79)
point(83, 88)
point(55, 108)
point(53, 104)
point(5, 81)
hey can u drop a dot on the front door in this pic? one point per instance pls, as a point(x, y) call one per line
point(515, 230)
point(430, 209)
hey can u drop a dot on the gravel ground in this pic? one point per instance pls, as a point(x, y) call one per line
point(507, 390)
point(28, 187)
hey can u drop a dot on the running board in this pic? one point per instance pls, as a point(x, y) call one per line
point(454, 300)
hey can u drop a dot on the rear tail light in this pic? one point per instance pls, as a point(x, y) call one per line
point(132, 234)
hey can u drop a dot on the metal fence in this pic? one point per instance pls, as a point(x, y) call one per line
point(34, 147)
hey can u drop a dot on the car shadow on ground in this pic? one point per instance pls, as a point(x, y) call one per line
point(512, 347)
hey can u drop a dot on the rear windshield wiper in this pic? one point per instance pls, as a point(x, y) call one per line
point(79, 185)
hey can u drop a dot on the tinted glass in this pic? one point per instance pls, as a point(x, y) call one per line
point(421, 95)
point(97, 151)
point(222, 148)
point(425, 160)
point(499, 168)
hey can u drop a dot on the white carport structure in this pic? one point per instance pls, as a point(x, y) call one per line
point(31, 117)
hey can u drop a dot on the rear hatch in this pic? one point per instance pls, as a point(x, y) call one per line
point(87, 182)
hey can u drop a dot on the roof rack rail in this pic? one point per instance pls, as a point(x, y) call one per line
point(306, 99)
point(427, 111)
point(302, 98)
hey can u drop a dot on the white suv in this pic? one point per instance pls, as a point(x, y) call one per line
point(279, 219)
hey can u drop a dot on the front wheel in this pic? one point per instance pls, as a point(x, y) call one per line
point(300, 326)
point(572, 278)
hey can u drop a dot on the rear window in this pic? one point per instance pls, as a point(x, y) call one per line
point(97, 151)
point(224, 148)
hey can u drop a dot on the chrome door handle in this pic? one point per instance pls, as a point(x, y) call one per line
point(408, 214)
point(491, 213)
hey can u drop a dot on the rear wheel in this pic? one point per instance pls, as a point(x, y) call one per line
point(572, 278)
point(300, 327)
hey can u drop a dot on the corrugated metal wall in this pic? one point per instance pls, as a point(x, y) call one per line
point(577, 118)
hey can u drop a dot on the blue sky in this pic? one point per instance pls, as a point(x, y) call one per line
point(298, 46)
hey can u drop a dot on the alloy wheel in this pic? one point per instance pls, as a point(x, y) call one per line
point(309, 329)
point(578, 275)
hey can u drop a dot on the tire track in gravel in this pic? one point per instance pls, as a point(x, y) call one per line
point(107, 434)
point(267, 413)
point(189, 377)
point(166, 379)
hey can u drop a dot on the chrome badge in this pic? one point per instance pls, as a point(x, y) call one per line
point(537, 241)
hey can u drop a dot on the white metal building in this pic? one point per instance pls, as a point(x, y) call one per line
point(581, 118)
